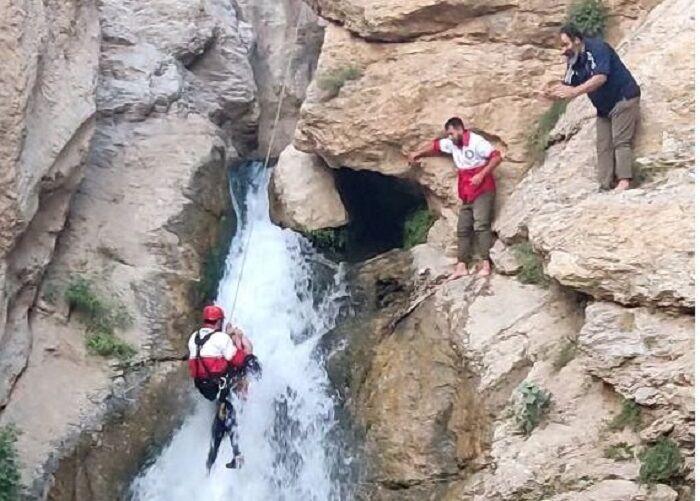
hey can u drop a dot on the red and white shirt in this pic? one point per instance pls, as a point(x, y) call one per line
point(215, 355)
point(470, 158)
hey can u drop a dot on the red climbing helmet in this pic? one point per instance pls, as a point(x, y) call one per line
point(212, 313)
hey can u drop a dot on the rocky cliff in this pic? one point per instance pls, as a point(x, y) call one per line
point(440, 370)
point(120, 120)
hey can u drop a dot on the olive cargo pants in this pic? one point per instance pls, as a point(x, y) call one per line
point(615, 136)
point(475, 220)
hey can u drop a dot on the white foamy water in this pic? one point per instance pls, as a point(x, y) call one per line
point(284, 426)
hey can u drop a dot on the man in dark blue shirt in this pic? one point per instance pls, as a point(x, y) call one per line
point(594, 68)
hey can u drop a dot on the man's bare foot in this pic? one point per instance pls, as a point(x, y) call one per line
point(484, 268)
point(623, 185)
point(460, 271)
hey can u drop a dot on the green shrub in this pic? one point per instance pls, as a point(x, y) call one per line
point(416, 227)
point(332, 81)
point(620, 451)
point(566, 354)
point(630, 416)
point(661, 462)
point(100, 318)
point(9, 464)
point(329, 239)
point(589, 16)
point(532, 404)
point(531, 269)
point(108, 345)
point(82, 298)
point(538, 138)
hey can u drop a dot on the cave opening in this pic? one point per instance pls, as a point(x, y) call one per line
point(378, 207)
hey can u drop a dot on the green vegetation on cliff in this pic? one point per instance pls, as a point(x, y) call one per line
point(538, 139)
point(589, 16)
point(531, 268)
point(532, 404)
point(101, 319)
point(661, 462)
point(629, 417)
point(333, 240)
point(416, 227)
point(9, 464)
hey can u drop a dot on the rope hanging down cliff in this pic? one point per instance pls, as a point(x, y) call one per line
point(283, 91)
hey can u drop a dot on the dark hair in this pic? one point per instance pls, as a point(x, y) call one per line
point(571, 31)
point(454, 122)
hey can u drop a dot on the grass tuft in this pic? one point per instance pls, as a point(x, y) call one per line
point(538, 140)
point(100, 318)
point(333, 240)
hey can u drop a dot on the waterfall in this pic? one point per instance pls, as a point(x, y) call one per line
point(289, 297)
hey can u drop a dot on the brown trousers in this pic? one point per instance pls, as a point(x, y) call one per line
point(475, 219)
point(615, 136)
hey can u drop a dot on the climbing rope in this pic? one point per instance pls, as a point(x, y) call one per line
point(282, 93)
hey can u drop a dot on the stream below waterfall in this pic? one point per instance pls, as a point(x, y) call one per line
point(289, 297)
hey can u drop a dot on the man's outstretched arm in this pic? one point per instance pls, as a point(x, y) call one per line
point(428, 150)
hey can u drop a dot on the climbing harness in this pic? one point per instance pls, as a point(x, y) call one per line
point(283, 91)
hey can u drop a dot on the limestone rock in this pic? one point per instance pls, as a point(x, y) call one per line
point(397, 20)
point(406, 92)
point(634, 248)
point(504, 259)
point(562, 193)
point(47, 109)
point(298, 178)
point(614, 490)
point(645, 356)
point(184, 54)
point(288, 39)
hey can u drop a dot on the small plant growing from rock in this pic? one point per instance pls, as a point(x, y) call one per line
point(531, 269)
point(332, 81)
point(630, 416)
point(416, 228)
point(589, 16)
point(101, 319)
point(9, 464)
point(531, 405)
point(539, 137)
point(661, 462)
point(566, 353)
point(621, 451)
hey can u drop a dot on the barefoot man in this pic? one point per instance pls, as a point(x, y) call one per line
point(475, 160)
point(594, 68)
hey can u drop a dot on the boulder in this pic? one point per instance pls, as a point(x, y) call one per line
point(646, 356)
point(298, 178)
